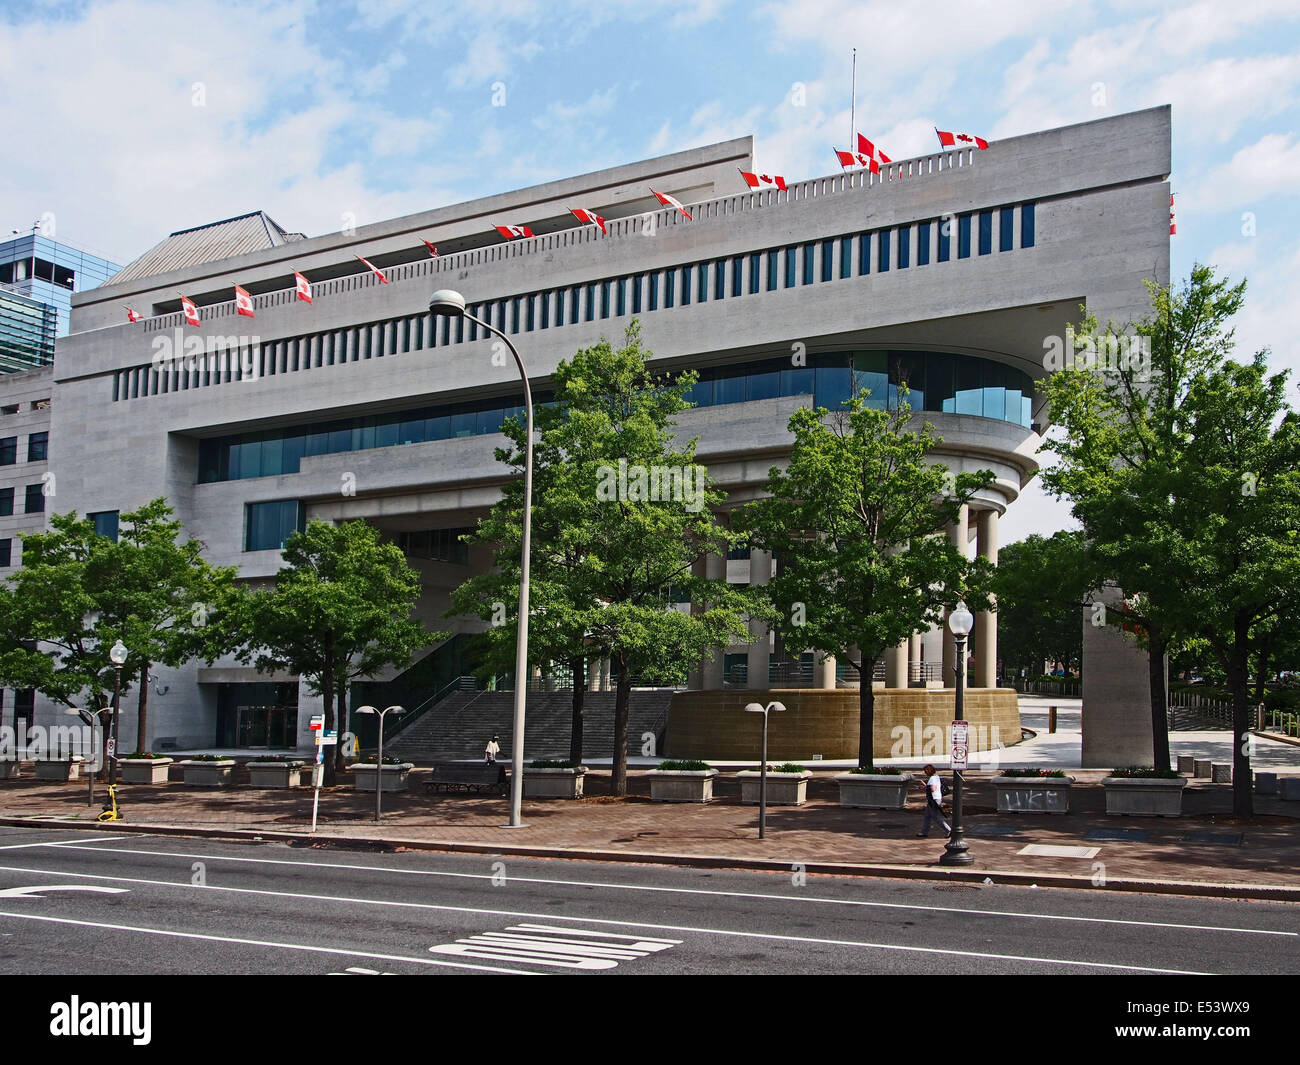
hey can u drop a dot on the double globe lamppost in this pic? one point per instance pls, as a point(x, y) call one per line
point(448, 303)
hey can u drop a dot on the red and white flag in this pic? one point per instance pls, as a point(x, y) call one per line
point(243, 302)
point(432, 250)
point(754, 180)
point(960, 140)
point(590, 217)
point(514, 232)
point(671, 201)
point(377, 272)
point(302, 287)
point(866, 148)
point(133, 315)
point(190, 311)
point(869, 163)
point(845, 158)
point(1173, 226)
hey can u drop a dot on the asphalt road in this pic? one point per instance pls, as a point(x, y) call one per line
point(77, 902)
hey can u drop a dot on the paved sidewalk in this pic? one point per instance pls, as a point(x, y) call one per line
point(1207, 850)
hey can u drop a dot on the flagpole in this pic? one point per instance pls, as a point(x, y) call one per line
point(853, 102)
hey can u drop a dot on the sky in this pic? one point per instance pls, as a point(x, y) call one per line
point(140, 117)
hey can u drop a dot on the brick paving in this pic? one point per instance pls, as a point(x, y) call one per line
point(1263, 849)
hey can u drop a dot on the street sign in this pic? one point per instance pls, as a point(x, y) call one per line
point(959, 746)
point(317, 722)
point(327, 737)
point(111, 747)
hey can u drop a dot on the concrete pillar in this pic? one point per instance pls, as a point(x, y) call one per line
point(760, 650)
point(824, 671)
point(896, 663)
point(605, 684)
point(593, 674)
point(712, 669)
point(957, 535)
point(914, 662)
point(986, 621)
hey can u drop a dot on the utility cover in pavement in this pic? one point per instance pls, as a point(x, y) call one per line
point(566, 948)
point(1227, 839)
point(1048, 850)
point(1137, 835)
point(992, 830)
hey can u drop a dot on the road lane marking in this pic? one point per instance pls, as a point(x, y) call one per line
point(566, 948)
point(28, 892)
point(864, 903)
point(262, 943)
point(479, 911)
point(59, 843)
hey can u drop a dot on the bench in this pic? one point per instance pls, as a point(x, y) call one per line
point(467, 776)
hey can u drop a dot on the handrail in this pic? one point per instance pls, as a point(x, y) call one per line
point(406, 719)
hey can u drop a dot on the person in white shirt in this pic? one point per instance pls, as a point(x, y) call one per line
point(933, 802)
point(491, 751)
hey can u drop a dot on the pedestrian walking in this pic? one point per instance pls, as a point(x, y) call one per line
point(491, 751)
point(933, 803)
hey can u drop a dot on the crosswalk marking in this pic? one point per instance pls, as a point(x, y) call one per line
point(567, 948)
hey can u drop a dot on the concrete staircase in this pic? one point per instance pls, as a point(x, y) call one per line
point(460, 725)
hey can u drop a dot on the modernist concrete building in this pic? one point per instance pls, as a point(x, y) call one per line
point(948, 270)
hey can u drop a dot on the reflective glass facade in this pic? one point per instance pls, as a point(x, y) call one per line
point(937, 381)
point(44, 270)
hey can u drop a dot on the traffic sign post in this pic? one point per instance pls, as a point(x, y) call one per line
point(959, 746)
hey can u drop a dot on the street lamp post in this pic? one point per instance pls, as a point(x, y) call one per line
point(451, 304)
point(957, 850)
point(759, 708)
point(118, 656)
point(90, 717)
point(379, 756)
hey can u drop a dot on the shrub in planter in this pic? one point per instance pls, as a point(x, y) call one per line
point(682, 780)
point(1144, 791)
point(393, 772)
point(207, 770)
point(270, 772)
point(144, 767)
point(1044, 791)
point(553, 779)
point(874, 787)
point(59, 770)
point(787, 785)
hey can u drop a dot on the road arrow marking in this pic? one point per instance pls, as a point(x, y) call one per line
point(30, 892)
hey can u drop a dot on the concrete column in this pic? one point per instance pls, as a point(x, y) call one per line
point(914, 656)
point(593, 674)
point(896, 662)
point(824, 671)
point(605, 683)
point(957, 534)
point(713, 666)
point(760, 572)
point(986, 621)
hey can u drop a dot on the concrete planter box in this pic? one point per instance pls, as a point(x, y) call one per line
point(394, 777)
point(680, 785)
point(144, 770)
point(274, 774)
point(9, 770)
point(874, 791)
point(1033, 795)
point(208, 774)
point(1144, 796)
point(1288, 789)
point(553, 783)
point(67, 769)
point(783, 789)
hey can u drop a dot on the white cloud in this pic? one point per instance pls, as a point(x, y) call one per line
point(1266, 168)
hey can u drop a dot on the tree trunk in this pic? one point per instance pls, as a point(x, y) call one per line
point(1243, 800)
point(867, 714)
point(1159, 700)
point(342, 703)
point(622, 699)
point(327, 699)
point(579, 697)
point(142, 710)
point(1261, 668)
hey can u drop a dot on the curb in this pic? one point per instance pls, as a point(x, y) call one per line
point(1258, 892)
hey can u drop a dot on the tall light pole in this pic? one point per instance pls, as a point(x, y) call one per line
point(957, 850)
point(118, 656)
point(379, 756)
point(759, 708)
point(451, 304)
point(93, 719)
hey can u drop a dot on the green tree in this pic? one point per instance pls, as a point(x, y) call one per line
point(857, 523)
point(340, 610)
point(611, 555)
point(1041, 584)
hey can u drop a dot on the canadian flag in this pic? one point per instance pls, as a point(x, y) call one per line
point(190, 311)
point(134, 315)
point(377, 272)
point(590, 217)
point(671, 201)
point(845, 158)
point(754, 180)
point(512, 232)
point(302, 287)
point(243, 302)
point(1173, 226)
point(960, 140)
point(865, 147)
point(432, 250)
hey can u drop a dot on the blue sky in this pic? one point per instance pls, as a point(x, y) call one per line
point(141, 117)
